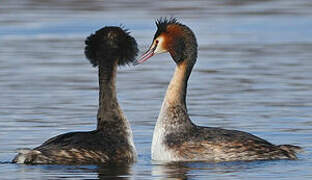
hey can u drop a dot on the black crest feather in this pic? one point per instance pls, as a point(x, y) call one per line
point(110, 44)
point(162, 24)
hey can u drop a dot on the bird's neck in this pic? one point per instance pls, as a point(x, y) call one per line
point(109, 112)
point(173, 114)
point(176, 92)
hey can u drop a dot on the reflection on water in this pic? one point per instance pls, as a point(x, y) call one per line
point(76, 172)
point(232, 170)
point(111, 172)
point(253, 74)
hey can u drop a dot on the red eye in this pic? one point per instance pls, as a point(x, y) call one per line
point(156, 41)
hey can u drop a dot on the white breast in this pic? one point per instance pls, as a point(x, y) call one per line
point(159, 151)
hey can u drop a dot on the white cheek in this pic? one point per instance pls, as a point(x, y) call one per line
point(160, 46)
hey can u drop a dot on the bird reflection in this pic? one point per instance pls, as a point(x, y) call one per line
point(114, 171)
point(174, 170)
point(192, 170)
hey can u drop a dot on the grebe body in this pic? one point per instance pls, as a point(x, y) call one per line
point(176, 137)
point(112, 141)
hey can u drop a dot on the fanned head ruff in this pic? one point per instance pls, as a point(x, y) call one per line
point(110, 44)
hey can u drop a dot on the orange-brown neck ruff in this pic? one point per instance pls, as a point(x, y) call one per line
point(173, 37)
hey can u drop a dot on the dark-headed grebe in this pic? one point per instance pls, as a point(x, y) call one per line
point(176, 138)
point(112, 141)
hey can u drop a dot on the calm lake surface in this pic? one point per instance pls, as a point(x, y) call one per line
point(254, 73)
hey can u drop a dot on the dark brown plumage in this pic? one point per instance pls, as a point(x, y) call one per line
point(216, 144)
point(112, 141)
point(109, 44)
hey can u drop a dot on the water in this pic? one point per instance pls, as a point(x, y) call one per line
point(253, 74)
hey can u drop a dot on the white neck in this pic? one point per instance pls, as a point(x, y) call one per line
point(173, 115)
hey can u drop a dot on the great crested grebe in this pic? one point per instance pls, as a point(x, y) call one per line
point(112, 141)
point(175, 137)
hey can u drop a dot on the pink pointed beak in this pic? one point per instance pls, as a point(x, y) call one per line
point(146, 55)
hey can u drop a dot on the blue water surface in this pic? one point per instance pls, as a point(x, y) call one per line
point(253, 74)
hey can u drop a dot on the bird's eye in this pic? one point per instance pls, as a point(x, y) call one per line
point(156, 41)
